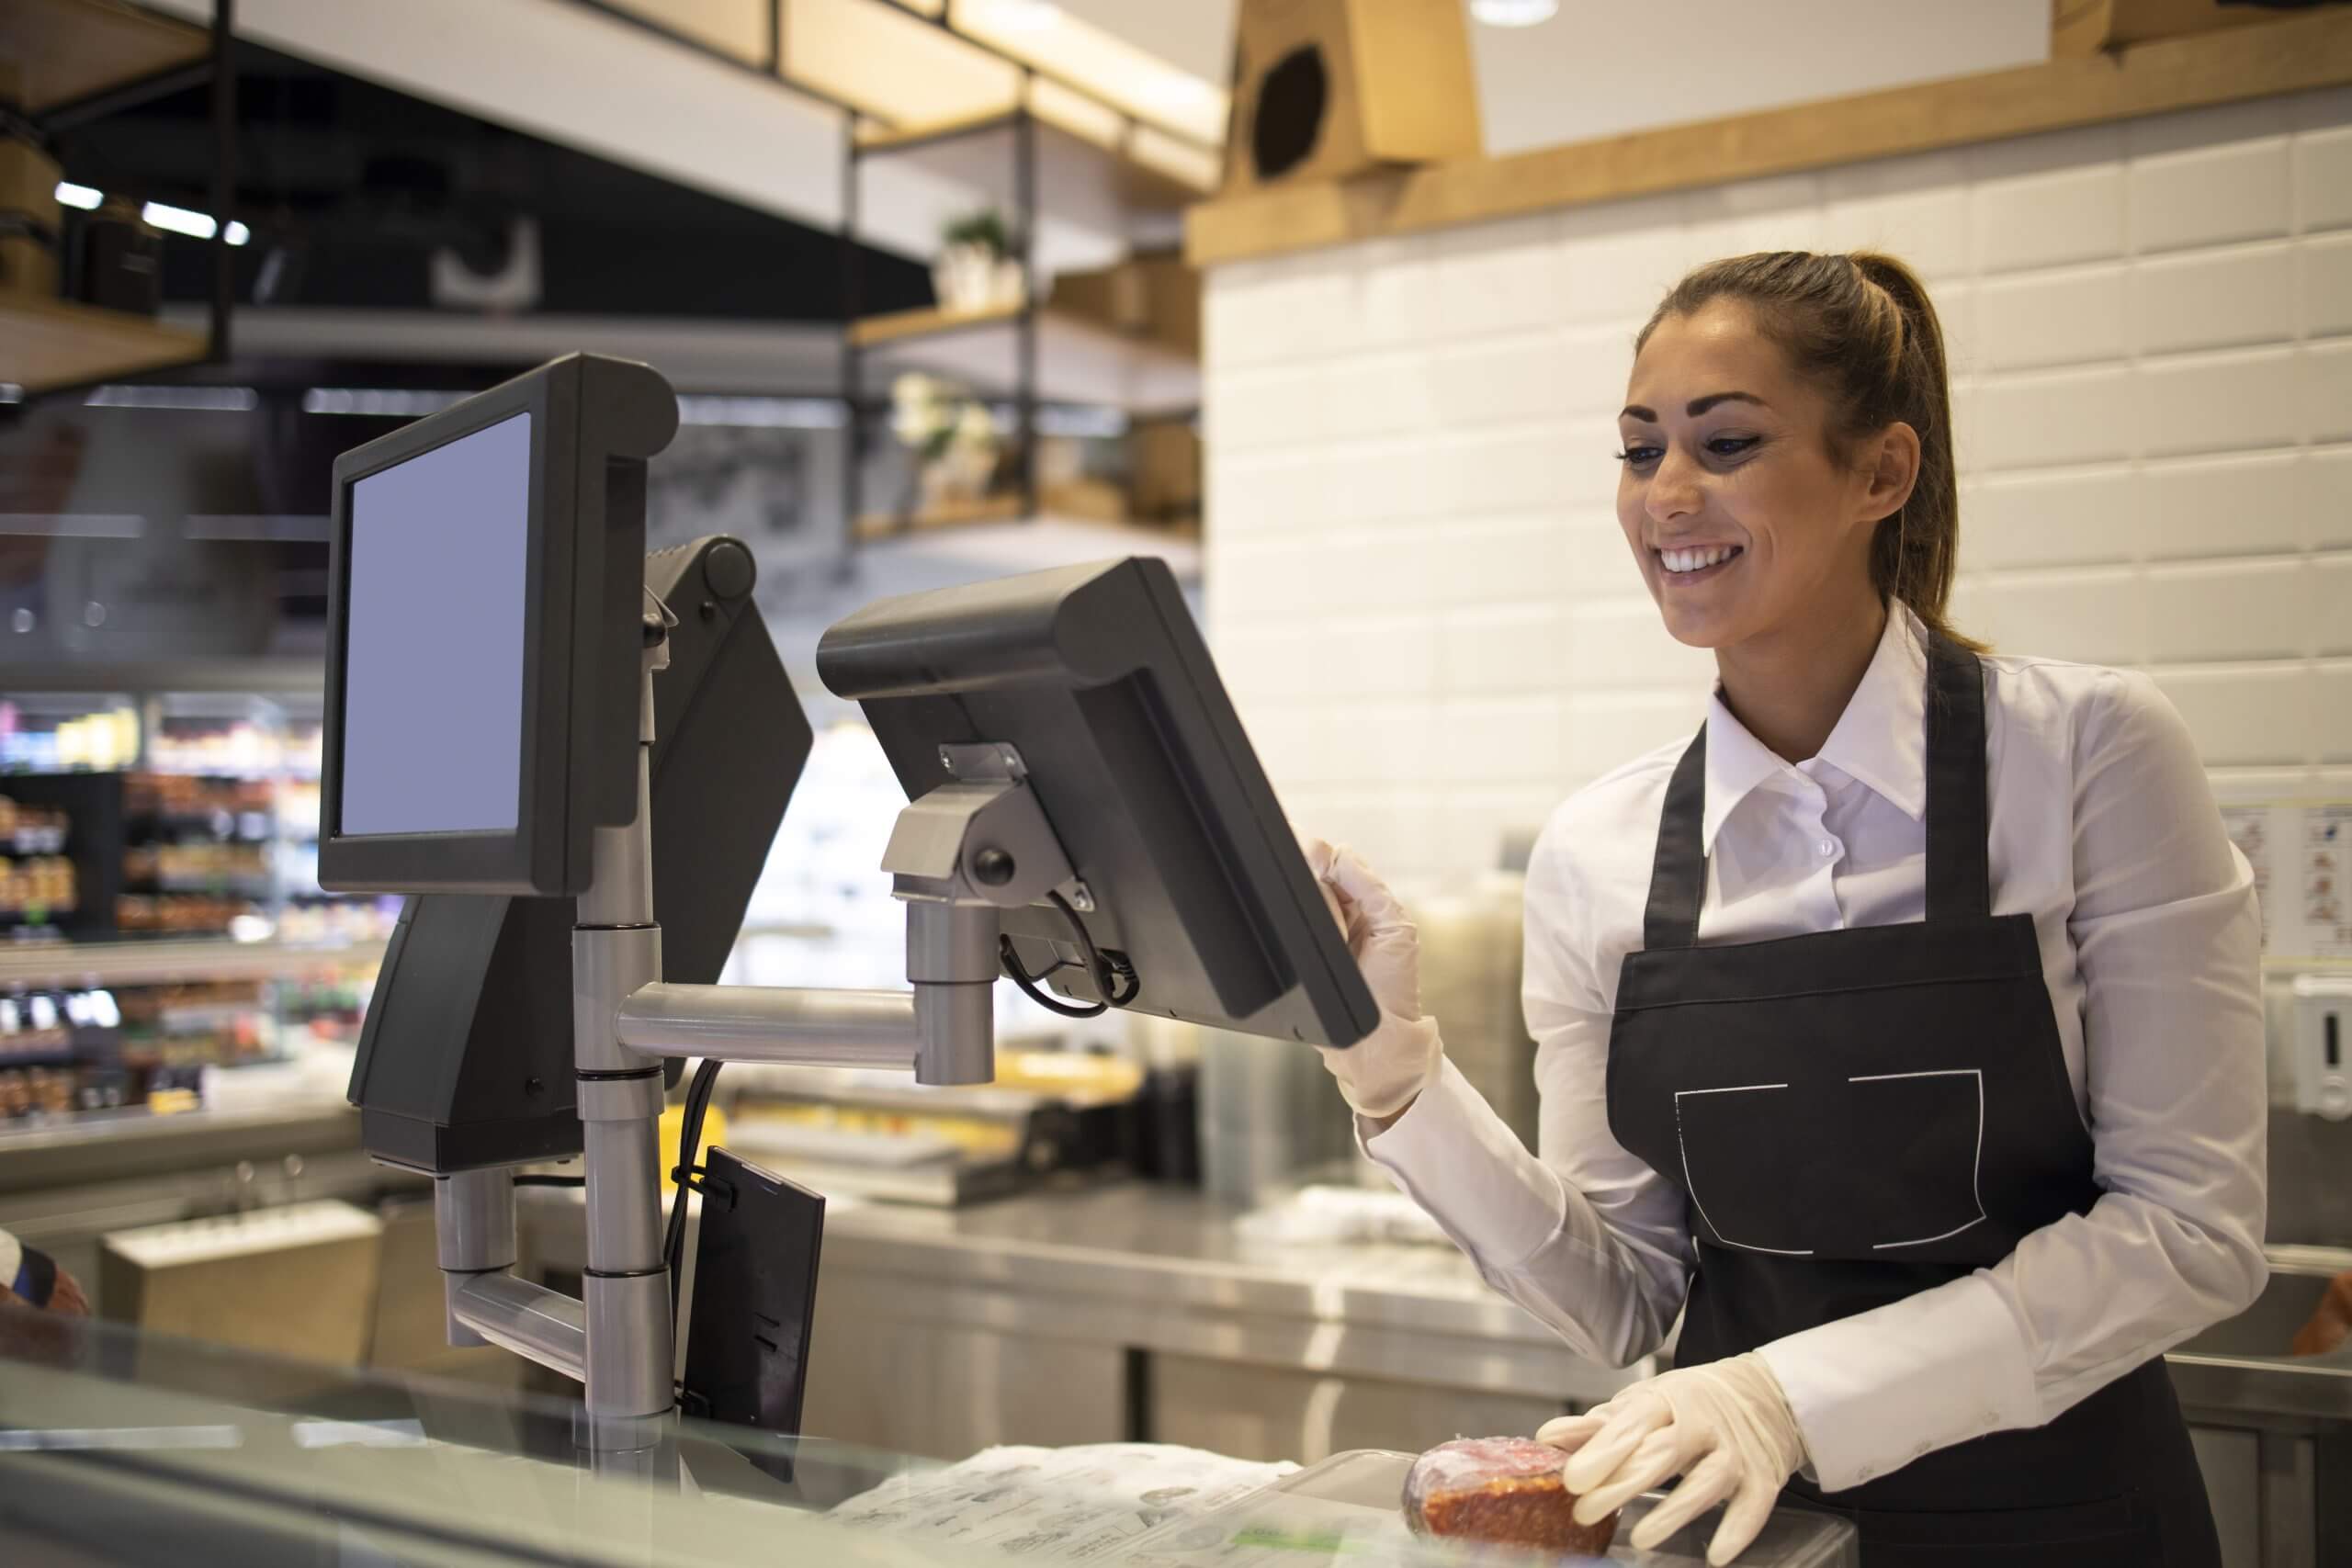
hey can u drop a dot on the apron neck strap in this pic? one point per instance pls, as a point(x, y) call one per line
point(1960, 875)
point(1959, 819)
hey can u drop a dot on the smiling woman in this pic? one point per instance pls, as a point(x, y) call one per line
point(1901, 1033)
point(1788, 443)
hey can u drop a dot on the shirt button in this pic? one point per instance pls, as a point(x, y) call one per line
point(1828, 847)
point(1865, 1473)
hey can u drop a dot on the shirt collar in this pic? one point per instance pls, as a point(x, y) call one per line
point(1880, 739)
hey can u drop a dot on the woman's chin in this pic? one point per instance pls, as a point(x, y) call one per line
point(1696, 631)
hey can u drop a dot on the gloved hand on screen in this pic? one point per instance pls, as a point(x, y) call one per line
point(1383, 1073)
point(1726, 1427)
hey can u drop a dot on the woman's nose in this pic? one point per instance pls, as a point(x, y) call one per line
point(1673, 490)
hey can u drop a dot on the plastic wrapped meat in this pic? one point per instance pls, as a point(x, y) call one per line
point(1500, 1489)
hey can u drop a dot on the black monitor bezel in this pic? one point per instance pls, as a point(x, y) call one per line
point(918, 664)
point(594, 422)
point(530, 856)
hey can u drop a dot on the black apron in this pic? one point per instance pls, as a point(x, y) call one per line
point(1857, 1115)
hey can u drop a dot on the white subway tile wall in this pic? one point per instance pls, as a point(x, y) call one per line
point(1416, 585)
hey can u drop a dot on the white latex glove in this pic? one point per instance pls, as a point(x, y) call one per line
point(1724, 1428)
point(1383, 1072)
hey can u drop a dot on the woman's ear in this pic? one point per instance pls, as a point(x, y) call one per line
point(1891, 468)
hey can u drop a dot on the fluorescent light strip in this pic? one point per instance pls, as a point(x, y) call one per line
point(378, 402)
point(762, 413)
point(196, 225)
point(314, 529)
point(74, 525)
point(199, 399)
point(86, 197)
point(391, 1434)
point(66, 1439)
point(1514, 13)
point(1072, 420)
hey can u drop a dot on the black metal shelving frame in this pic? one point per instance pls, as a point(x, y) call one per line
point(1021, 120)
point(219, 70)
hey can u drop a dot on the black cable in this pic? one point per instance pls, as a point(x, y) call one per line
point(550, 1181)
point(674, 1246)
point(1105, 973)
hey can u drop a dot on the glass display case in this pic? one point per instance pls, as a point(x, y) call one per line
point(131, 1449)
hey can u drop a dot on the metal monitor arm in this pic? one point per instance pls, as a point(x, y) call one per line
point(962, 852)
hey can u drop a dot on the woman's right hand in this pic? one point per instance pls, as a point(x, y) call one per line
point(1381, 1075)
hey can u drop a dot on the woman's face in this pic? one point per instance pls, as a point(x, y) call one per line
point(1742, 521)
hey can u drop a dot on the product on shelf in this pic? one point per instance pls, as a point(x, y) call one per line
point(37, 889)
point(201, 867)
point(36, 881)
point(240, 748)
point(180, 914)
point(31, 829)
point(224, 808)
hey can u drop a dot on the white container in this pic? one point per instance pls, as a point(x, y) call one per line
point(2323, 1045)
point(970, 280)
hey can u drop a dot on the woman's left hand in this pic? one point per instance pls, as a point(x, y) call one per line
point(1724, 1428)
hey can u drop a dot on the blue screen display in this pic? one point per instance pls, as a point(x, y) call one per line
point(433, 647)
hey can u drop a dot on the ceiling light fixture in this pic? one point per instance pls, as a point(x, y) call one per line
point(378, 402)
point(1024, 16)
point(1175, 90)
point(86, 197)
point(762, 414)
point(1514, 13)
point(195, 225)
point(200, 400)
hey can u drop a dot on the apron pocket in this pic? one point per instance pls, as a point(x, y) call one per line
point(1882, 1166)
point(1917, 1141)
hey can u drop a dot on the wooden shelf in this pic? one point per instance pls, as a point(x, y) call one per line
point(69, 50)
point(931, 320)
point(165, 959)
point(2286, 52)
point(947, 515)
point(1079, 360)
point(1153, 174)
point(56, 343)
point(985, 548)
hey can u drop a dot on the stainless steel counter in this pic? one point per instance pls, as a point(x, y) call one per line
point(1162, 1269)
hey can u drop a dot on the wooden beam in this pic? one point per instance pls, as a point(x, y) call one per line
point(2287, 55)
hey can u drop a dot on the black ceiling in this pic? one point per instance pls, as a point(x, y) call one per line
point(352, 187)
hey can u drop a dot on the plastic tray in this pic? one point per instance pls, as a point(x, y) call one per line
point(1348, 1511)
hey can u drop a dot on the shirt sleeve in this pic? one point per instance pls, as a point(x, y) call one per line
point(1582, 1234)
point(2168, 941)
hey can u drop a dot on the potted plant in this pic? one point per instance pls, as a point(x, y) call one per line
point(977, 269)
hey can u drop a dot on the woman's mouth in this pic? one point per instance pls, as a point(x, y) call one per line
point(1697, 563)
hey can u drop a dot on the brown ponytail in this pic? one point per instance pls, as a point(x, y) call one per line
point(1861, 327)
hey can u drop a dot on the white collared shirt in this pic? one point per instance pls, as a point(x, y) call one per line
point(2105, 830)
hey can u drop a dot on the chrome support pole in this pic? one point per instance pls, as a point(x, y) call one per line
point(537, 1324)
point(474, 1231)
point(615, 950)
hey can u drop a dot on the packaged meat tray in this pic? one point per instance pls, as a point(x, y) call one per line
point(1500, 1489)
point(1348, 1512)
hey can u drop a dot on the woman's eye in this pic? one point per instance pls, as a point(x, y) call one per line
point(1639, 456)
point(1730, 445)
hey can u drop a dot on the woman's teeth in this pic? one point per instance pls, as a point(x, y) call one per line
point(1695, 560)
